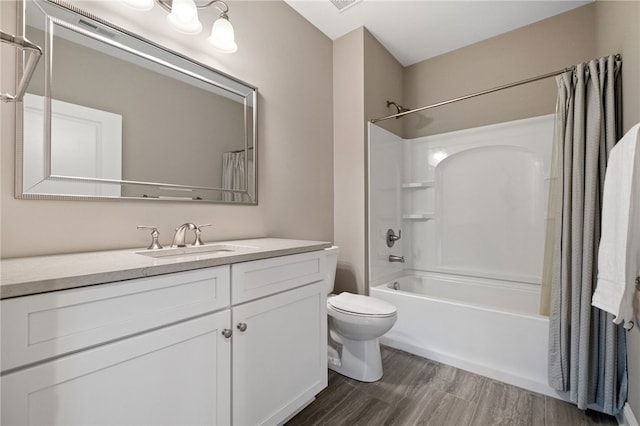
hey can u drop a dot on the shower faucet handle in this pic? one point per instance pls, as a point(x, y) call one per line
point(392, 237)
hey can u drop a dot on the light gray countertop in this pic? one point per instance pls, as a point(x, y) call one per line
point(32, 275)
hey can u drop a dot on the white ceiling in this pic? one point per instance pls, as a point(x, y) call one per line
point(416, 30)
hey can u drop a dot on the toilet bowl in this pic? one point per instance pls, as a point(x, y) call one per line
point(355, 324)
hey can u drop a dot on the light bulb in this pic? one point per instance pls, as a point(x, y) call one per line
point(222, 36)
point(184, 17)
point(141, 5)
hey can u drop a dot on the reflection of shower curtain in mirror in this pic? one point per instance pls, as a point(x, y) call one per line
point(234, 175)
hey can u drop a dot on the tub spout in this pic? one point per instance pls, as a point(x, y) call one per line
point(394, 258)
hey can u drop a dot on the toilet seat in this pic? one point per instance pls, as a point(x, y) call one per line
point(359, 305)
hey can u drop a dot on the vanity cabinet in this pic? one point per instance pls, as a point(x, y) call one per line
point(237, 344)
point(279, 341)
point(144, 351)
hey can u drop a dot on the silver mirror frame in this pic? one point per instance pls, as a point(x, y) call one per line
point(251, 129)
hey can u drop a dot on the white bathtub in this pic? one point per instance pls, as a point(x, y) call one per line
point(488, 327)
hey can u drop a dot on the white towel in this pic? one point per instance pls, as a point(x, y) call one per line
point(619, 250)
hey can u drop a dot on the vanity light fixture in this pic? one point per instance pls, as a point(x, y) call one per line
point(183, 17)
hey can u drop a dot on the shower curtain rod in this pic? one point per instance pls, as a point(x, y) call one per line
point(482, 92)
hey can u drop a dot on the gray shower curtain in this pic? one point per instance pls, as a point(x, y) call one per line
point(234, 175)
point(587, 351)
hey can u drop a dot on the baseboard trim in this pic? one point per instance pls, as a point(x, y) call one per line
point(626, 417)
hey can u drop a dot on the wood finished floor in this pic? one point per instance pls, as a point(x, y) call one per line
point(418, 391)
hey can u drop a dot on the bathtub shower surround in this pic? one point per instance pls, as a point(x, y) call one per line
point(475, 200)
point(471, 205)
point(471, 202)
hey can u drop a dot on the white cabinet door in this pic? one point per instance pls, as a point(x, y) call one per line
point(280, 360)
point(174, 375)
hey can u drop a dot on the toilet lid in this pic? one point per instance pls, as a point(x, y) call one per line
point(361, 305)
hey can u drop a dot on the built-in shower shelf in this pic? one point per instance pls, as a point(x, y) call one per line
point(415, 185)
point(418, 216)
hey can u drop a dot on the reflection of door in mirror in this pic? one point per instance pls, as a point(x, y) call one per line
point(85, 143)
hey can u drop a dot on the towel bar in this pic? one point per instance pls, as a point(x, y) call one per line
point(35, 53)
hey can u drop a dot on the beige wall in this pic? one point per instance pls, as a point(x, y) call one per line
point(383, 80)
point(539, 48)
point(349, 160)
point(294, 79)
point(618, 31)
point(365, 76)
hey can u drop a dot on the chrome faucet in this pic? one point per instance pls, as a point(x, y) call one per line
point(178, 238)
point(394, 258)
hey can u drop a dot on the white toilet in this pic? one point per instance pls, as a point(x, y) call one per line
point(355, 324)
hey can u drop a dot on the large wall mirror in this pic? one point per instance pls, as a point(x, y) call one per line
point(109, 114)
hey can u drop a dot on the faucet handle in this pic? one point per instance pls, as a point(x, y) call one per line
point(392, 237)
point(154, 237)
point(198, 231)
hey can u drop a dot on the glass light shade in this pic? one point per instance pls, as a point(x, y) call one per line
point(184, 17)
point(222, 36)
point(141, 5)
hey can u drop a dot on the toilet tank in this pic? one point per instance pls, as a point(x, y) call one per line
point(332, 264)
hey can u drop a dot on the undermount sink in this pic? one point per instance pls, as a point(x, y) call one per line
point(195, 251)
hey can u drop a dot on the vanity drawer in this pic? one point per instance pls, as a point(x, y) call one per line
point(47, 325)
point(260, 278)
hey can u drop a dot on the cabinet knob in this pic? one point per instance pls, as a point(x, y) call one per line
point(227, 333)
point(242, 326)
